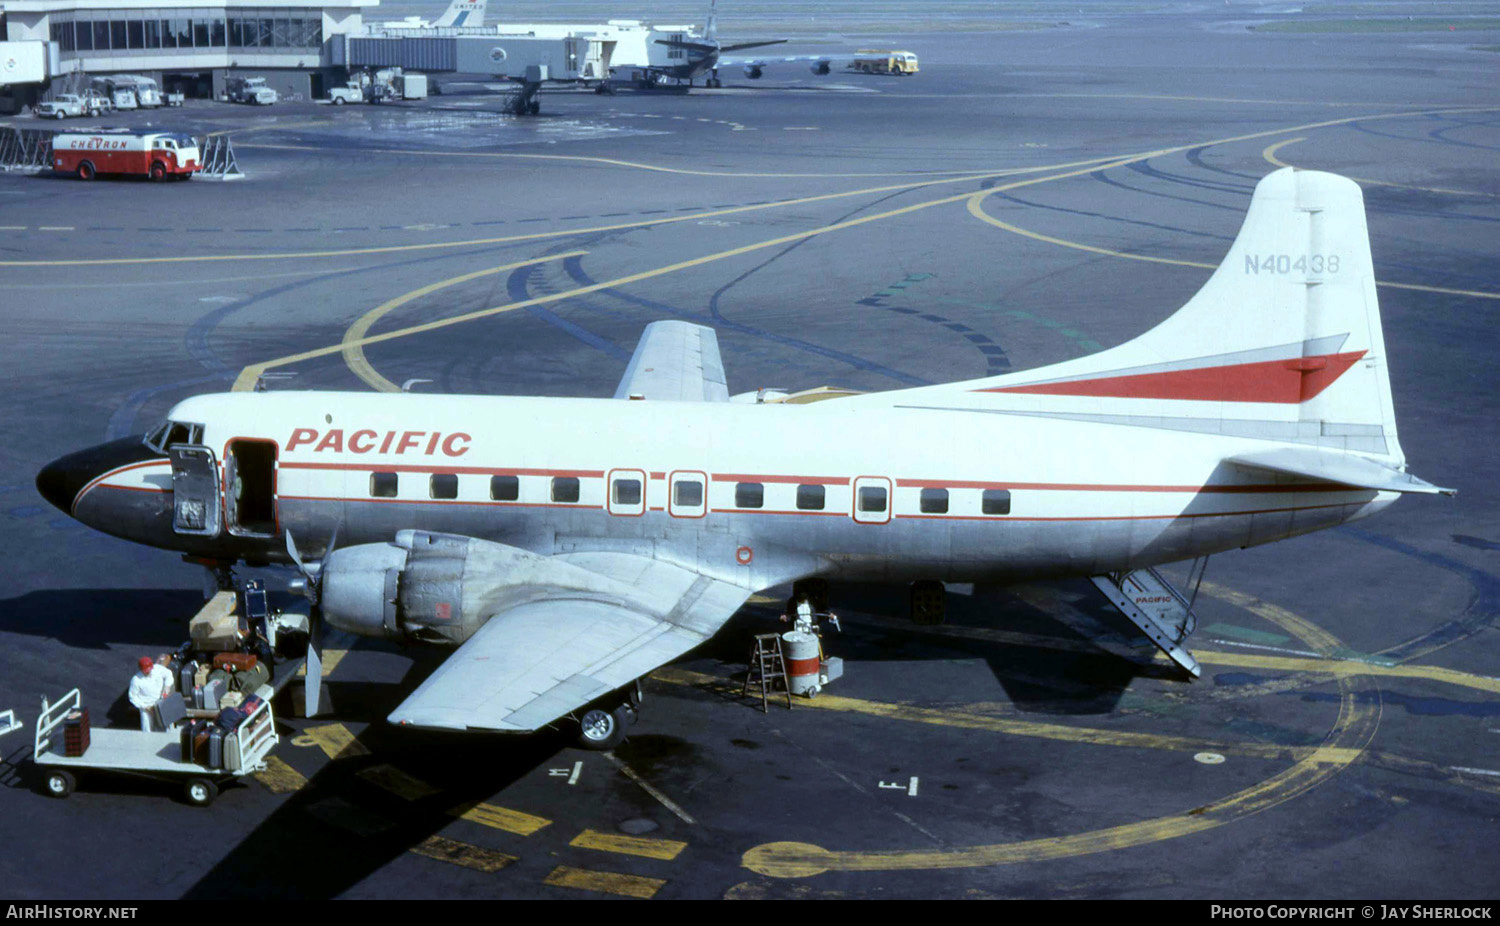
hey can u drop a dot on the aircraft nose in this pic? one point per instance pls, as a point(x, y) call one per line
point(59, 483)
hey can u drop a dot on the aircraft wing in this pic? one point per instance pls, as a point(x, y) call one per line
point(839, 58)
point(677, 361)
point(1335, 466)
point(532, 663)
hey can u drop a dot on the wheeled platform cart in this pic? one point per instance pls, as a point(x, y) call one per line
point(148, 755)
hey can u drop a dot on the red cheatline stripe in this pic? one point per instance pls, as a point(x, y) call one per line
point(373, 467)
point(1280, 382)
point(1103, 487)
point(799, 480)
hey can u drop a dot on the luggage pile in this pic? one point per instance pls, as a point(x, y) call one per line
point(211, 683)
point(223, 656)
point(216, 743)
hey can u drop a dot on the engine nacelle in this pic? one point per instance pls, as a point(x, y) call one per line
point(753, 72)
point(411, 589)
point(820, 67)
point(441, 588)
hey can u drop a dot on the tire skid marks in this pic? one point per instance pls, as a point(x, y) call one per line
point(1346, 740)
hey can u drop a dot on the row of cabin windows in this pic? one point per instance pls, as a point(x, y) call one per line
point(688, 493)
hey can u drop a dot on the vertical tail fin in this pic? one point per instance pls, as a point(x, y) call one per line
point(711, 25)
point(463, 13)
point(1283, 342)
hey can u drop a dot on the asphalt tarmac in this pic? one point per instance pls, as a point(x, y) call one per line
point(1344, 741)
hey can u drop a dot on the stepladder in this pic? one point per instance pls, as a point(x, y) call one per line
point(767, 665)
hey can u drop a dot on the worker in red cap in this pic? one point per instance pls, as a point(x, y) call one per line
point(146, 689)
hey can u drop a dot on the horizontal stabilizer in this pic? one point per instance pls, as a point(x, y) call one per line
point(1334, 466)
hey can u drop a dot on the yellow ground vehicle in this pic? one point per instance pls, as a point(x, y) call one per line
point(881, 61)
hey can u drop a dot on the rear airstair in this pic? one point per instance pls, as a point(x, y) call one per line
point(1162, 612)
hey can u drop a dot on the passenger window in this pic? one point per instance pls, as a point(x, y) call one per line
point(934, 501)
point(687, 494)
point(749, 495)
point(627, 492)
point(872, 498)
point(997, 501)
point(443, 485)
point(505, 488)
point(565, 489)
point(383, 485)
point(810, 498)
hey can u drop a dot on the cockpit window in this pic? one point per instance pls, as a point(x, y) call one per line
point(169, 433)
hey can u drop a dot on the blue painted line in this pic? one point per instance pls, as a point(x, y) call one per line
point(122, 422)
point(517, 289)
point(490, 222)
point(1479, 615)
point(574, 268)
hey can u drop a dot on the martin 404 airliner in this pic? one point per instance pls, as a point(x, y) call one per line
point(568, 547)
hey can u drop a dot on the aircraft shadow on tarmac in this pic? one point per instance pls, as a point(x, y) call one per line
point(1073, 676)
point(357, 826)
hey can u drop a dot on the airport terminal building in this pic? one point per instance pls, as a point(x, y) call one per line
point(191, 45)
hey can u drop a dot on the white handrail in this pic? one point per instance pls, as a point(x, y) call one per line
point(52, 717)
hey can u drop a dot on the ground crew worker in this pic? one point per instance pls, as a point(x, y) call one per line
point(163, 671)
point(145, 691)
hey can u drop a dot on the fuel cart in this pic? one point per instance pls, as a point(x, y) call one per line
point(200, 752)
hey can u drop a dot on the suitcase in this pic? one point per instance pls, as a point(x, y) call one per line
point(200, 741)
point(190, 730)
point(198, 697)
point(76, 733)
point(200, 674)
point(232, 759)
point(216, 747)
point(211, 693)
point(186, 677)
point(235, 661)
point(250, 678)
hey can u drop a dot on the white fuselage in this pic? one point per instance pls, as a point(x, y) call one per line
point(1083, 498)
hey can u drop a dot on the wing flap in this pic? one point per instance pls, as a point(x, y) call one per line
point(1333, 466)
point(675, 361)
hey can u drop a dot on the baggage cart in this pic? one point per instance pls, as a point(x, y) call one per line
point(156, 755)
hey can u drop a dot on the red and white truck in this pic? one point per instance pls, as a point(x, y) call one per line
point(157, 155)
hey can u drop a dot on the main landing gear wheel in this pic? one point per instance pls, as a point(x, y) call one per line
point(600, 729)
point(200, 792)
point(59, 784)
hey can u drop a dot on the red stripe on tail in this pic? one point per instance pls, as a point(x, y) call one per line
point(1283, 382)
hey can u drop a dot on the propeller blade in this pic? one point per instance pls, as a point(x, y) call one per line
point(312, 686)
point(291, 550)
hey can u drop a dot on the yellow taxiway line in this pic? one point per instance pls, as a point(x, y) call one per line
point(1350, 734)
point(354, 341)
point(1270, 155)
point(976, 209)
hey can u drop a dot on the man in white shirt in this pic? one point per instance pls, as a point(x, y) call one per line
point(163, 671)
point(146, 688)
